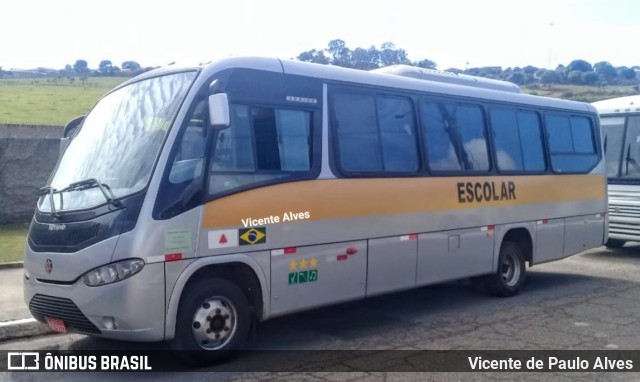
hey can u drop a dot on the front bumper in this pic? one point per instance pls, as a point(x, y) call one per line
point(132, 309)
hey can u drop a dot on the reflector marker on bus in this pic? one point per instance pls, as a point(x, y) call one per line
point(154, 259)
point(413, 236)
point(163, 258)
point(543, 221)
point(488, 228)
point(173, 257)
point(284, 251)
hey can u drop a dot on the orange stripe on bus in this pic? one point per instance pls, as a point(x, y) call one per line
point(349, 198)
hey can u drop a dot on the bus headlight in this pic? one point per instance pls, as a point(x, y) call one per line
point(111, 273)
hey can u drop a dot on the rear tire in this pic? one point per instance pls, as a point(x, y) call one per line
point(509, 276)
point(615, 243)
point(213, 319)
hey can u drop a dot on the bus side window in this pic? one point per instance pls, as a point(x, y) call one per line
point(189, 160)
point(375, 133)
point(262, 145)
point(572, 143)
point(455, 136)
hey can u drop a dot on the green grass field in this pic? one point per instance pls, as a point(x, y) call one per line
point(50, 101)
point(12, 240)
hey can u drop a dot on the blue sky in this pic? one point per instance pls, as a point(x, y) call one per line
point(453, 33)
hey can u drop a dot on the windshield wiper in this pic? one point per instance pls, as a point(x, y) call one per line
point(79, 186)
point(92, 183)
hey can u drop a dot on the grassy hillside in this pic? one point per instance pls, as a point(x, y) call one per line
point(582, 93)
point(54, 101)
point(50, 101)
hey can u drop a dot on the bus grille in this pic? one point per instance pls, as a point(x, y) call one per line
point(624, 219)
point(61, 308)
point(41, 238)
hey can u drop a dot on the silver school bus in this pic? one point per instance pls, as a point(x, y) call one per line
point(192, 203)
point(620, 121)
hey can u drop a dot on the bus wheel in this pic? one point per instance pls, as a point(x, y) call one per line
point(506, 281)
point(615, 243)
point(213, 319)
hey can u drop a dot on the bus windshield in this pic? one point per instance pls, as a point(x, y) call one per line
point(118, 143)
point(622, 147)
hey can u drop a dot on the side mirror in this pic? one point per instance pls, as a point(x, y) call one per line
point(71, 126)
point(219, 111)
point(69, 132)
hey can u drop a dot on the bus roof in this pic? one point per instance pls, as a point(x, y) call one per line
point(376, 78)
point(629, 104)
point(448, 77)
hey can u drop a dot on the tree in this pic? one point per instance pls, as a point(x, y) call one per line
point(315, 56)
point(389, 55)
point(516, 78)
point(589, 77)
point(130, 65)
point(105, 68)
point(626, 73)
point(561, 73)
point(366, 59)
point(605, 71)
point(579, 65)
point(549, 77)
point(340, 54)
point(425, 63)
point(575, 77)
point(81, 66)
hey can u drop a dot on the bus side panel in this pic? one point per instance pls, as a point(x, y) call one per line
point(451, 255)
point(392, 264)
point(316, 275)
point(582, 232)
point(549, 239)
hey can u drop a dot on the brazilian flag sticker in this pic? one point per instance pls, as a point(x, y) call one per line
point(250, 236)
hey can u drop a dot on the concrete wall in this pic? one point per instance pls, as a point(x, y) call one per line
point(27, 156)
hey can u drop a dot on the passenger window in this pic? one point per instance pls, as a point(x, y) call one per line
point(455, 137)
point(572, 143)
point(375, 133)
point(261, 145)
point(397, 134)
point(518, 140)
point(358, 138)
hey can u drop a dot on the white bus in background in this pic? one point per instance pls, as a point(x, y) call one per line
point(620, 123)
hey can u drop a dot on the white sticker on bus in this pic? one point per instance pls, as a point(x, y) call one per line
point(223, 238)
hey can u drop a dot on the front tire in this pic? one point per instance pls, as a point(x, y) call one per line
point(213, 319)
point(509, 276)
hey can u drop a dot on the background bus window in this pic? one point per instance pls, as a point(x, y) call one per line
point(612, 134)
point(572, 143)
point(455, 137)
point(518, 140)
point(631, 150)
point(261, 145)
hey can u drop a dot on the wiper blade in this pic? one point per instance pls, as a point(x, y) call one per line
point(47, 190)
point(91, 183)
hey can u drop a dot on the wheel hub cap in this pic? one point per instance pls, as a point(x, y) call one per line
point(214, 323)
